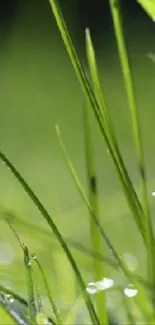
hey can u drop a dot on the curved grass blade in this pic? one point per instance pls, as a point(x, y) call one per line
point(128, 81)
point(149, 7)
point(56, 232)
point(141, 300)
point(30, 286)
point(120, 169)
point(136, 207)
point(21, 304)
point(34, 302)
point(49, 293)
point(97, 244)
point(76, 246)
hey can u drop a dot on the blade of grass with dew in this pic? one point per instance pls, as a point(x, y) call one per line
point(30, 286)
point(149, 7)
point(128, 307)
point(108, 123)
point(128, 82)
point(39, 305)
point(141, 299)
point(49, 293)
point(76, 246)
point(120, 169)
point(6, 316)
point(97, 244)
point(32, 303)
point(56, 232)
point(23, 303)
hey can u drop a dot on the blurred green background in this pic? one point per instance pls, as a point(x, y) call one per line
point(38, 89)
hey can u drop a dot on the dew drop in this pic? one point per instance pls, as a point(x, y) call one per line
point(153, 193)
point(34, 256)
point(42, 319)
point(130, 291)
point(91, 288)
point(29, 263)
point(9, 298)
point(106, 283)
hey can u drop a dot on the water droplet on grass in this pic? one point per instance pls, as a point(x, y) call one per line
point(91, 288)
point(153, 193)
point(34, 256)
point(29, 263)
point(9, 298)
point(106, 283)
point(130, 291)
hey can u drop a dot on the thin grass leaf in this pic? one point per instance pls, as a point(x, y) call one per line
point(20, 302)
point(30, 286)
point(120, 169)
point(38, 300)
point(97, 244)
point(149, 7)
point(48, 291)
point(76, 246)
point(128, 306)
point(32, 302)
point(128, 81)
point(140, 299)
point(56, 232)
point(134, 202)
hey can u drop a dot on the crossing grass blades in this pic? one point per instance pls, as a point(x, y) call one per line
point(31, 310)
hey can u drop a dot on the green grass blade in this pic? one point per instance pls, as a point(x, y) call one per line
point(49, 293)
point(38, 300)
point(148, 6)
point(30, 286)
point(74, 245)
point(97, 244)
point(132, 197)
point(128, 81)
point(57, 234)
point(23, 303)
point(140, 299)
point(124, 180)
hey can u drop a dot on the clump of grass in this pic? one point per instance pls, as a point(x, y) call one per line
point(96, 103)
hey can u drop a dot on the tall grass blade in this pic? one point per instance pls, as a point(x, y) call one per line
point(55, 309)
point(56, 232)
point(149, 7)
point(76, 246)
point(140, 299)
point(120, 169)
point(32, 304)
point(128, 81)
point(132, 197)
point(30, 286)
point(97, 244)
